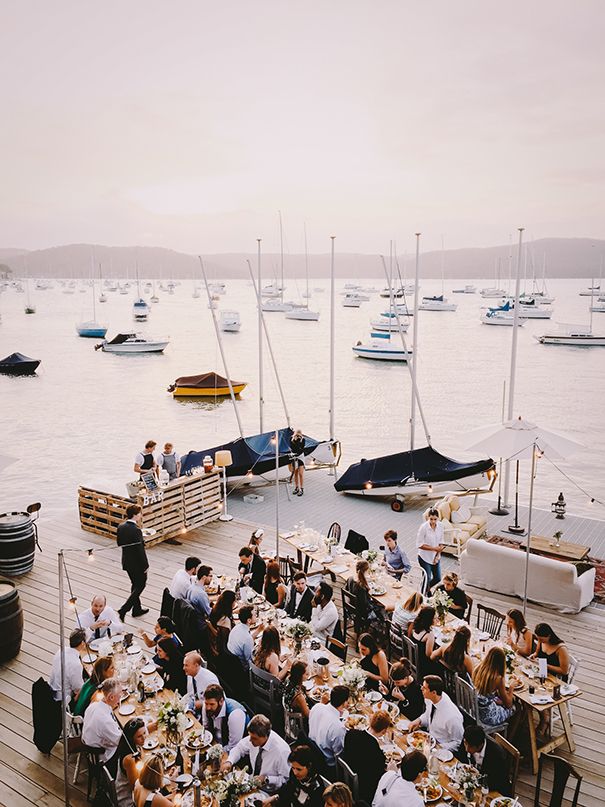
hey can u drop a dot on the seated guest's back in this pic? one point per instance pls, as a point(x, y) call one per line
point(268, 654)
point(360, 588)
point(454, 655)
point(364, 756)
point(220, 622)
point(421, 632)
point(397, 788)
point(405, 614)
point(151, 780)
point(325, 726)
point(100, 728)
point(487, 756)
point(494, 698)
point(128, 753)
point(294, 698)
point(406, 690)
point(274, 588)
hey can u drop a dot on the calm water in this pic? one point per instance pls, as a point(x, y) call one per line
point(86, 414)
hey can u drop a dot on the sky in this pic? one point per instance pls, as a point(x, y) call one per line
point(190, 124)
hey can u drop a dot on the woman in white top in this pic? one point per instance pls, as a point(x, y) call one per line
point(429, 543)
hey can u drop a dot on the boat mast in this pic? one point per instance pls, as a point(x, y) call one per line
point(281, 257)
point(306, 265)
point(415, 347)
point(442, 268)
point(513, 359)
point(332, 327)
point(220, 344)
point(261, 400)
point(92, 277)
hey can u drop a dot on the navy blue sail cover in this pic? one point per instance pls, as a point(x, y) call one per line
point(421, 465)
point(255, 453)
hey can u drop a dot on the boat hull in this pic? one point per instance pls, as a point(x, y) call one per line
point(91, 333)
point(381, 353)
point(433, 489)
point(507, 321)
point(303, 314)
point(141, 347)
point(24, 368)
point(572, 341)
point(216, 392)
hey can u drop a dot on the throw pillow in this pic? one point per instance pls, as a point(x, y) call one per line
point(461, 516)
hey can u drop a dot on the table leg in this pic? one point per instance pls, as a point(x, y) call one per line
point(533, 740)
point(564, 712)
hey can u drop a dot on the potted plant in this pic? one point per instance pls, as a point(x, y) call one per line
point(557, 536)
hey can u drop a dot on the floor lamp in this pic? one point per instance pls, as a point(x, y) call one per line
point(516, 528)
point(223, 459)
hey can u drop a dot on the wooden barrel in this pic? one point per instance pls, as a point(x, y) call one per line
point(17, 544)
point(11, 620)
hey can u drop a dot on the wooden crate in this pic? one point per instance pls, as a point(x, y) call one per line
point(189, 502)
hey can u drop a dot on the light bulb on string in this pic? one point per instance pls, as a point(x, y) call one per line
point(91, 555)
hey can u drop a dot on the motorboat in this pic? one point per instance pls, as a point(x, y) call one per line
point(573, 335)
point(272, 290)
point(397, 293)
point(230, 321)
point(132, 343)
point(492, 292)
point(352, 300)
point(303, 314)
point(530, 308)
point(381, 349)
point(388, 322)
point(140, 310)
point(30, 309)
point(436, 303)
point(591, 291)
point(217, 288)
point(468, 289)
point(206, 385)
point(363, 298)
point(91, 329)
point(599, 308)
point(18, 364)
point(275, 305)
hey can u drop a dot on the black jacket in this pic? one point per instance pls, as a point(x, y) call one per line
point(134, 558)
point(290, 793)
point(305, 606)
point(256, 569)
point(414, 704)
point(495, 765)
point(365, 758)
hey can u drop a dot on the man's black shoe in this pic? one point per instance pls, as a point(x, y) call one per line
point(142, 612)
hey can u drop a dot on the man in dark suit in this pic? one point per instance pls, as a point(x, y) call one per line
point(300, 598)
point(487, 756)
point(252, 569)
point(134, 560)
point(365, 757)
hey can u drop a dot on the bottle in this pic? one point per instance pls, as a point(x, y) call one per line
point(141, 690)
point(197, 793)
point(179, 762)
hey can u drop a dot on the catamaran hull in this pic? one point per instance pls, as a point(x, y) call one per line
point(572, 341)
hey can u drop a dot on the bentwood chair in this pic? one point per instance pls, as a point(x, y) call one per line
point(513, 758)
point(469, 608)
point(409, 650)
point(490, 621)
point(334, 532)
point(349, 611)
point(416, 578)
point(337, 647)
point(561, 773)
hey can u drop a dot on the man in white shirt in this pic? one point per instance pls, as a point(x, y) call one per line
point(397, 788)
point(198, 678)
point(324, 615)
point(267, 751)
point(73, 667)
point(241, 639)
point(144, 460)
point(325, 726)
point(225, 718)
point(183, 579)
point(429, 543)
point(101, 728)
point(442, 718)
point(100, 620)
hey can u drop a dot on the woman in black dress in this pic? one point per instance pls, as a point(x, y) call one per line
point(171, 657)
point(553, 650)
point(421, 633)
point(406, 690)
point(373, 662)
point(297, 446)
point(274, 589)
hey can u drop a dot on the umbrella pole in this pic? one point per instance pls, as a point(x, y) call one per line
point(500, 510)
point(277, 494)
point(516, 528)
point(531, 501)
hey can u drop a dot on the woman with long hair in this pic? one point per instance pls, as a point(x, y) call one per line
point(256, 540)
point(420, 631)
point(359, 586)
point(406, 613)
point(103, 668)
point(129, 754)
point(373, 661)
point(151, 780)
point(171, 658)
point(495, 699)
point(274, 589)
point(406, 690)
point(454, 655)
point(553, 649)
point(294, 699)
point(220, 622)
point(518, 635)
point(338, 795)
point(268, 654)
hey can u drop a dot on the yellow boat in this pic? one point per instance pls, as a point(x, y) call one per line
point(207, 385)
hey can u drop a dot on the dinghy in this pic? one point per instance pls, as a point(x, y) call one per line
point(206, 385)
point(18, 364)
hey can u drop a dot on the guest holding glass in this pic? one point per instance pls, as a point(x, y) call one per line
point(518, 635)
point(394, 558)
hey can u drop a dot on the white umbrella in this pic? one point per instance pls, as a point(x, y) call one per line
point(520, 440)
point(5, 461)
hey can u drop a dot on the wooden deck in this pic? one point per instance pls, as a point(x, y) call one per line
point(28, 777)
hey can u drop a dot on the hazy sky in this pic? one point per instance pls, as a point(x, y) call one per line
point(188, 124)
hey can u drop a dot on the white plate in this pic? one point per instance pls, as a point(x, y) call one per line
point(119, 637)
point(148, 668)
point(443, 754)
point(504, 801)
point(568, 689)
point(184, 779)
point(127, 709)
point(377, 591)
point(309, 685)
point(373, 696)
point(403, 724)
point(339, 569)
point(133, 650)
point(89, 658)
point(148, 531)
point(335, 668)
point(96, 643)
point(287, 534)
point(483, 636)
point(150, 743)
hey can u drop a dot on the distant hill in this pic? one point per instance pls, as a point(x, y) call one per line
point(563, 257)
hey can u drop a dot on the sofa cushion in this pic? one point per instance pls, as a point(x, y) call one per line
point(480, 521)
point(444, 511)
point(454, 502)
point(461, 515)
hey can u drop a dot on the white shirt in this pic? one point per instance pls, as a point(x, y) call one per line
point(140, 458)
point(101, 729)
point(446, 726)
point(236, 722)
point(241, 644)
point(327, 730)
point(180, 584)
point(87, 618)
point(323, 620)
point(399, 792)
point(73, 673)
point(203, 678)
point(431, 537)
point(477, 758)
point(274, 766)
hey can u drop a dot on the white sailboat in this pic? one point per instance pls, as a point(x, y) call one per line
point(140, 308)
point(230, 321)
point(382, 349)
point(574, 335)
point(352, 300)
point(304, 314)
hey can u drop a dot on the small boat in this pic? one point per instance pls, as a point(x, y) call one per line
point(91, 330)
point(154, 298)
point(468, 289)
point(578, 335)
point(30, 309)
point(436, 303)
point(529, 308)
point(599, 308)
point(207, 385)
point(497, 317)
point(381, 349)
point(217, 288)
point(18, 364)
point(492, 293)
point(230, 321)
point(102, 297)
point(132, 343)
point(352, 300)
point(303, 314)
point(272, 290)
point(591, 291)
point(388, 322)
point(276, 306)
point(397, 293)
point(140, 310)
point(363, 298)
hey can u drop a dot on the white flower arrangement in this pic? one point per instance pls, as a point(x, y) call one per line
point(298, 630)
point(441, 602)
point(371, 555)
point(172, 718)
point(511, 659)
point(228, 788)
point(215, 753)
point(467, 778)
point(352, 676)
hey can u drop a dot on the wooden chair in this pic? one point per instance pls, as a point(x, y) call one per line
point(294, 726)
point(285, 570)
point(294, 567)
point(348, 777)
point(74, 743)
point(449, 680)
point(93, 761)
point(334, 532)
point(562, 771)
point(409, 650)
point(466, 701)
point(513, 756)
point(264, 690)
point(469, 608)
point(395, 641)
point(108, 785)
point(167, 606)
point(490, 621)
point(337, 647)
point(349, 610)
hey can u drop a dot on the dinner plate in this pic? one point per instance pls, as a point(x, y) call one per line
point(148, 668)
point(483, 636)
point(403, 724)
point(438, 791)
point(373, 696)
point(96, 643)
point(377, 591)
point(150, 743)
point(89, 658)
point(443, 754)
point(309, 685)
point(184, 779)
point(504, 801)
point(119, 637)
point(133, 650)
point(148, 532)
point(202, 741)
point(127, 709)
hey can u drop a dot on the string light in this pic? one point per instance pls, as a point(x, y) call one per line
point(368, 486)
point(91, 555)
point(72, 601)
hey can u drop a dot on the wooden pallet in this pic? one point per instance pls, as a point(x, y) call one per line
point(187, 503)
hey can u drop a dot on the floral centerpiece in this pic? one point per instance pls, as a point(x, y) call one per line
point(298, 631)
point(468, 780)
point(352, 676)
point(330, 541)
point(371, 555)
point(214, 755)
point(227, 789)
point(511, 659)
point(173, 720)
point(441, 602)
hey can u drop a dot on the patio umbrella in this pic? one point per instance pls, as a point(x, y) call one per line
point(521, 440)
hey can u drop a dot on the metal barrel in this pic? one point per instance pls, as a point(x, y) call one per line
point(17, 544)
point(11, 620)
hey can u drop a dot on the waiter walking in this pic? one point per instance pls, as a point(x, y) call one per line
point(134, 560)
point(144, 460)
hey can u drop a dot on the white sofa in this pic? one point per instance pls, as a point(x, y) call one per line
point(553, 583)
point(456, 534)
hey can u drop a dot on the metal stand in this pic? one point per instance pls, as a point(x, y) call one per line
point(516, 528)
point(500, 510)
point(225, 516)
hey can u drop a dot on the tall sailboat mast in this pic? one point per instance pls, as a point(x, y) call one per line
point(281, 257)
point(415, 346)
point(332, 331)
point(261, 400)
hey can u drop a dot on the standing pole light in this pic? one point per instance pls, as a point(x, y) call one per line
point(223, 459)
point(261, 401)
point(415, 346)
point(63, 692)
point(500, 510)
point(559, 507)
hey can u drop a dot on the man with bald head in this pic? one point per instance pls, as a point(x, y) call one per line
point(198, 678)
point(100, 620)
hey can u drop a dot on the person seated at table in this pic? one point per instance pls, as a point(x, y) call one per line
point(553, 649)
point(74, 672)
point(183, 578)
point(252, 569)
point(486, 756)
point(151, 780)
point(421, 633)
point(304, 787)
point(397, 788)
point(256, 540)
point(274, 588)
point(442, 718)
point(339, 795)
point(494, 698)
point(164, 629)
point(326, 728)
point(198, 597)
point(359, 587)
point(518, 635)
point(241, 639)
point(267, 751)
point(324, 615)
point(102, 669)
point(406, 690)
point(225, 718)
point(364, 756)
point(100, 728)
point(300, 598)
point(129, 754)
point(198, 678)
point(404, 614)
point(268, 654)
point(294, 698)
point(394, 558)
point(100, 620)
point(373, 661)
point(454, 655)
point(171, 659)
point(220, 622)
point(457, 595)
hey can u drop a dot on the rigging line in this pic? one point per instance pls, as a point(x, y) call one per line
point(574, 483)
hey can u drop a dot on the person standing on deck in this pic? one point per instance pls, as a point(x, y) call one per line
point(144, 460)
point(170, 461)
point(429, 543)
point(134, 560)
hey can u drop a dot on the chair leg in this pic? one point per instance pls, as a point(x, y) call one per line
point(77, 768)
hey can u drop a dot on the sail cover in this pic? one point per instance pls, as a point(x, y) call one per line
point(255, 454)
point(121, 338)
point(204, 381)
point(17, 358)
point(420, 465)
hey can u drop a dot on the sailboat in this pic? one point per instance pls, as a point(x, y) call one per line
point(494, 291)
point(230, 321)
point(574, 335)
point(92, 329)
point(503, 315)
point(29, 307)
point(140, 308)
point(154, 298)
point(304, 313)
